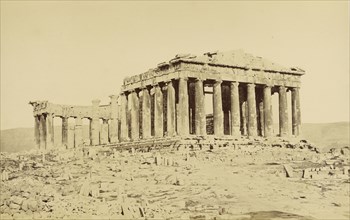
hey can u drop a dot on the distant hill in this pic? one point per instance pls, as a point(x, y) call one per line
point(325, 135)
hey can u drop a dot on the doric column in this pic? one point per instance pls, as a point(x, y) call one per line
point(158, 111)
point(78, 132)
point(283, 111)
point(42, 131)
point(133, 102)
point(104, 132)
point(251, 101)
point(217, 109)
point(90, 134)
point(261, 116)
point(113, 124)
point(37, 131)
point(65, 131)
point(268, 122)
point(124, 128)
point(183, 111)
point(71, 129)
point(49, 131)
point(95, 123)
point(244, 118)
point(146, 114)
point(200, 120)
point(235, 120)
point(296, 114)
point(171, 114)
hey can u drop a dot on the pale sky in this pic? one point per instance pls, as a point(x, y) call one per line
point(72, 52)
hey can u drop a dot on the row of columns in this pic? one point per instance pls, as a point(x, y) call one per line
point(178, 115)
point(166, 110)
point(99, 133)
point(104, 133)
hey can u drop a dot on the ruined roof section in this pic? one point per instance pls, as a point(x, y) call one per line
point(236, 59)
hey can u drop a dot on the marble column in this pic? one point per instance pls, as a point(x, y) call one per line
point(171, 111)
point(95, 123)
point(217, 109)
point(78, 132)
point(133, 101)
point(124, 126)
point(146, 114)
point(71, 129)
point(158, 111)
point(283, 111)
point(252, 119)
point(200, 119)
point(37, 131)
point(113, 124)
point(183, 111)
point(296, 114)
point(65, 131)
point(49, 131)
point(104, 132)
point(244, 118)
point(268, 122)
point(235, 120)
point(90, 133)
point(261, 116)
point(42, 131)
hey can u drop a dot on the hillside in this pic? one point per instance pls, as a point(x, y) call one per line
point(325, 135)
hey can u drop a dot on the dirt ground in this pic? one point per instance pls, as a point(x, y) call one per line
point(234, 182)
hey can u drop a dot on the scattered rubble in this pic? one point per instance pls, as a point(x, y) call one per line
point(212, 182)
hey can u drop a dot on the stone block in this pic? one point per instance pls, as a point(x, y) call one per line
point(85, 189)
point(307, 174)
point(33, 205)
point(14, 206)
point(4, 176)
point(16, 200)
point(158, 160)
point(95, 191)
point(289, 170)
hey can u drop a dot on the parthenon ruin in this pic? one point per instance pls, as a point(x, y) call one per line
point(169, 102)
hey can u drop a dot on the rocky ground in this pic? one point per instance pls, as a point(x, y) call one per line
point(242, 181)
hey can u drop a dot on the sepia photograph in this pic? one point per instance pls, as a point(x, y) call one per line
point(198, 110)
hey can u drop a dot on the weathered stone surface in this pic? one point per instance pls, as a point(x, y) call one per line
point(241, 92)
point(283, 111)
point(289, 170)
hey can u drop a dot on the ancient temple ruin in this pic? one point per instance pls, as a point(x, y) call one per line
point(168, 103)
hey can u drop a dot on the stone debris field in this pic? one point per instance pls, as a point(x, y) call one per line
point(251, 179)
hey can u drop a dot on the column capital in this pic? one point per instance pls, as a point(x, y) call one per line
point(113, 97)
point(268, 86)
point(166, 82)
point(184, 78)
point(251, 85)
point(198, 80)
point(234, 83)
point(50, 114)
point(282, 88)
point(218, 81)
point(79, 116)
point(155, 85)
